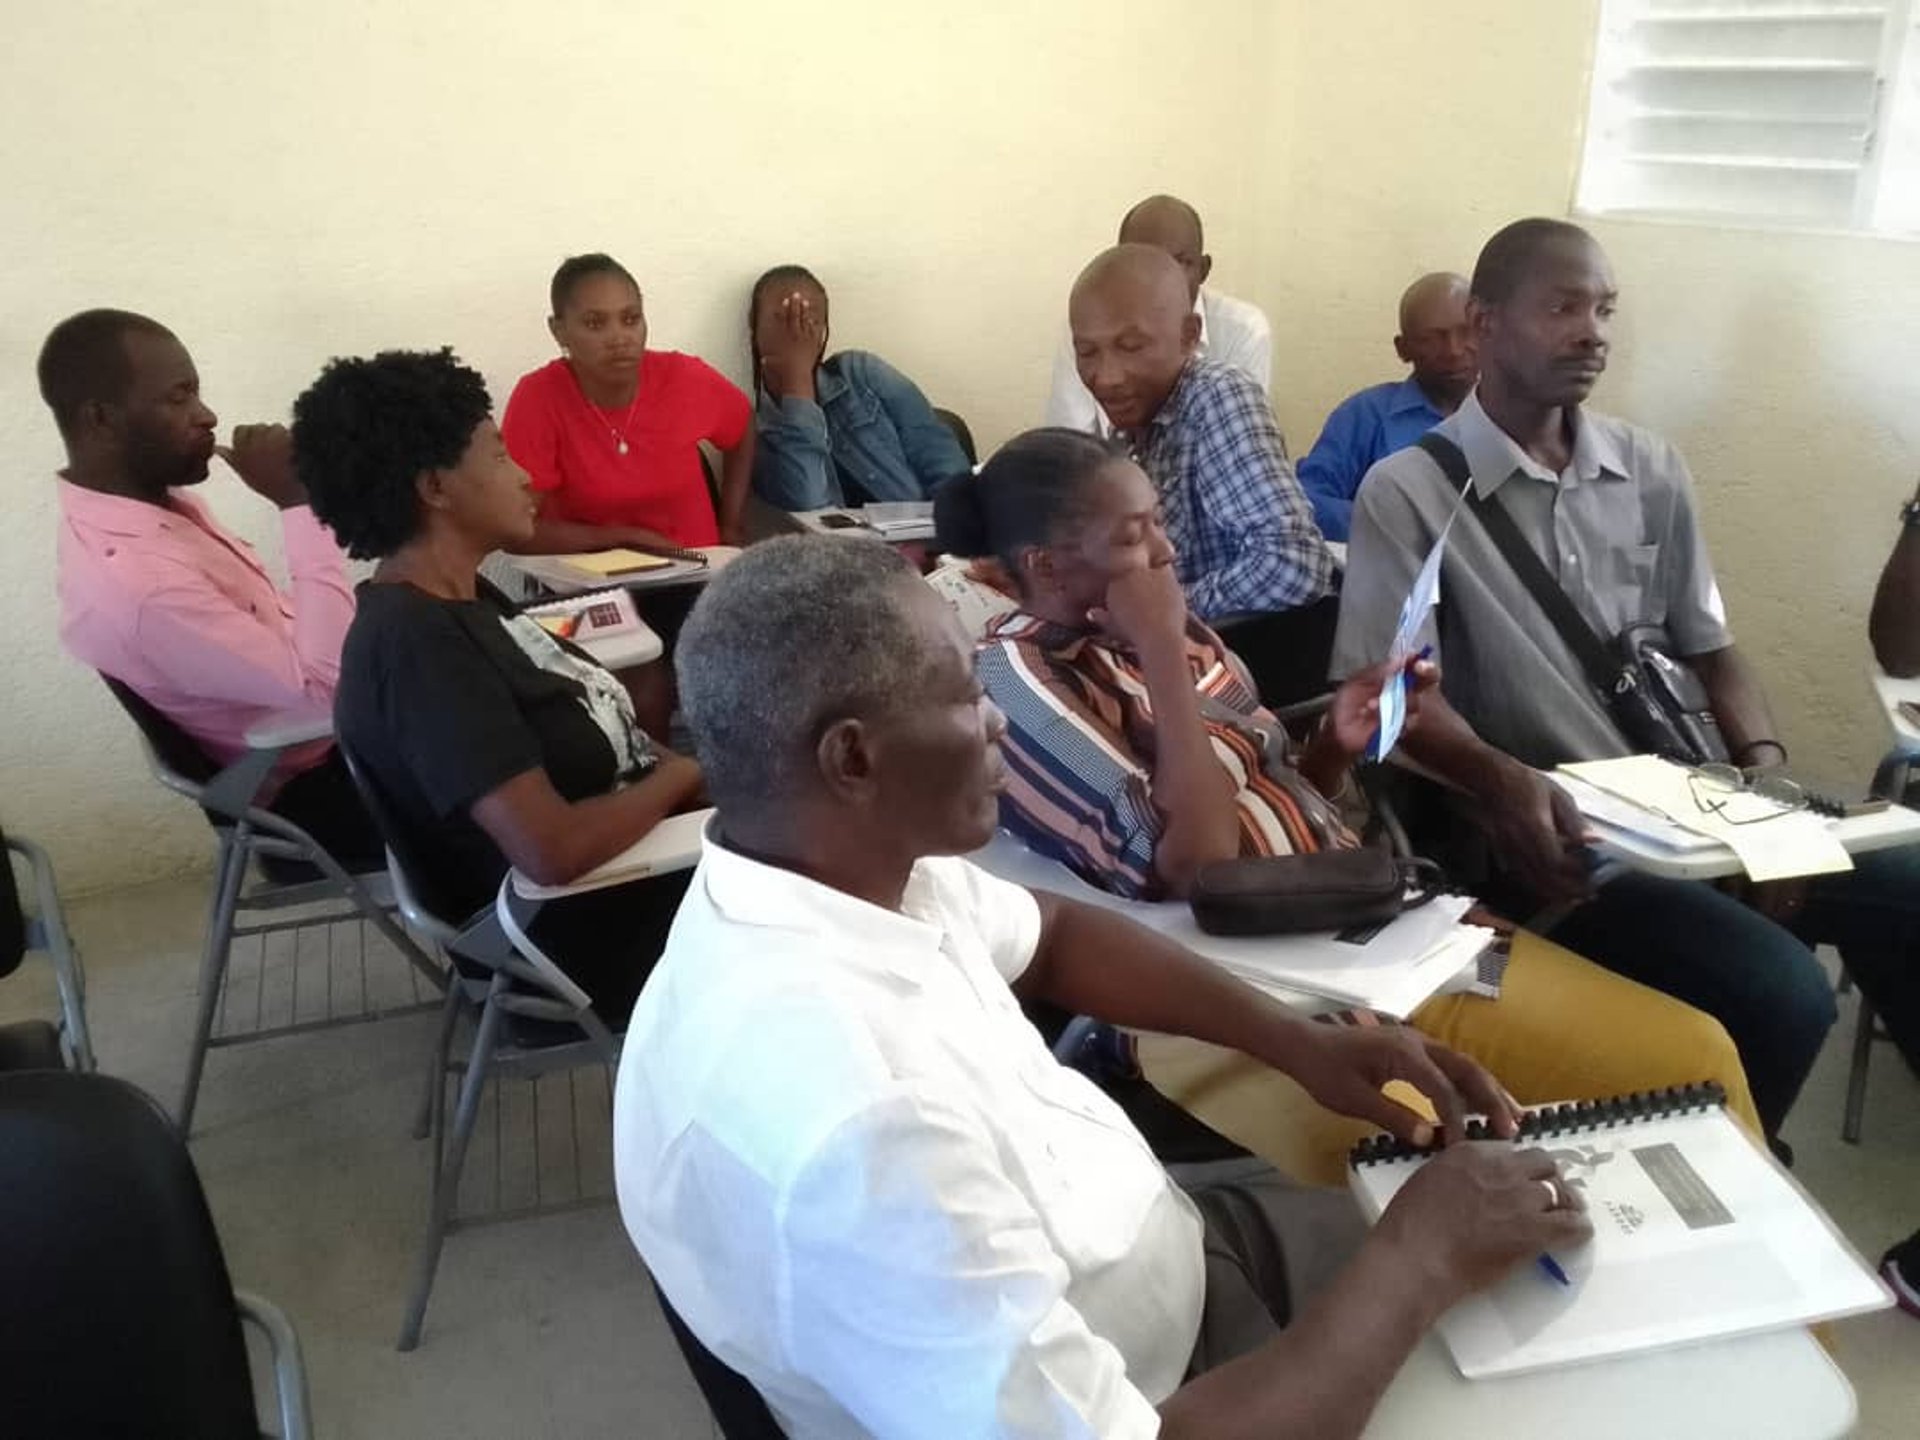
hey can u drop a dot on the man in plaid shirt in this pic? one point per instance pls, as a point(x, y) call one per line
point(1242, 528)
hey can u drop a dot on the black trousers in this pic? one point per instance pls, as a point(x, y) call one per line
point(608, 941)
point(1288, 652)
point(323, 802)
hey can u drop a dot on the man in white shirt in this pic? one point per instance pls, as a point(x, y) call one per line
point(852, 1166)
point(1232, 332)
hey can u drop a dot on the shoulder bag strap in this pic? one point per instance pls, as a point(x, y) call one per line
point(1603, 670)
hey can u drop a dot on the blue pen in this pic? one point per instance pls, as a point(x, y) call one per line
point(1552, 1267)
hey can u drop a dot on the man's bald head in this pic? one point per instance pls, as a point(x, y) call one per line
point(1436, 340)
point(1133, 330)
point(1143, 279)
point(1430, 298)
point(1172, 225)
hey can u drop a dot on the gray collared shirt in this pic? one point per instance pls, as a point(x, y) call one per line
point(1617, 527)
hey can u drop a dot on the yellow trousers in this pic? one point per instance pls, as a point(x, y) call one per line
point(1562, 1029)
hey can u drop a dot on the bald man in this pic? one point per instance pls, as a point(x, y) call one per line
point(1435, 341)
point(1231, 331)
point(1246, 550)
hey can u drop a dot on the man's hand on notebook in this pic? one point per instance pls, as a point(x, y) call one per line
point(1345, 1068)
point(1474, 1212)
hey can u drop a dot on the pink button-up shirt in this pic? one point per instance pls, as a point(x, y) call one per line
point(181, 611)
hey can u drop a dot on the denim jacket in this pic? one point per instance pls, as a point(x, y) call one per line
point(871, 430)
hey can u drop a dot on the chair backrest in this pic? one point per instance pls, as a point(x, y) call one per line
point(116, 1300)
point(412, 878)
point(960, 432)
point(178, 751)
point(737, 1407)
point(13, 915)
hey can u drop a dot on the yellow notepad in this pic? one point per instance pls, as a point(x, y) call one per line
point(614, 562)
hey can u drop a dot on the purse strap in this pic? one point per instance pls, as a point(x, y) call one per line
point(1603, 670)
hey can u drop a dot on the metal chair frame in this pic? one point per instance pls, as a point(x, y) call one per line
point(47, 934)
point(247, 832)
point(1890, 778)
point(522, 983)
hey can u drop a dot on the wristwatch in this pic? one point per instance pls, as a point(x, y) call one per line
point(1910, 514)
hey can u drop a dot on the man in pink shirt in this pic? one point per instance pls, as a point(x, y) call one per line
point(154, 593)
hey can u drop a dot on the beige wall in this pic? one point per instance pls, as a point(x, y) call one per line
point(282, 181)
point(1783, 365)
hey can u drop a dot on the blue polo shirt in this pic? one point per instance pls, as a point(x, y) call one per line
point(1364, 428)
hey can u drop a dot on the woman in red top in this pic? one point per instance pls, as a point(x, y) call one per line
point(610, 431)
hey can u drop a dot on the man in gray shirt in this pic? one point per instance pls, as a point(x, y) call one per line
point(1609, 508)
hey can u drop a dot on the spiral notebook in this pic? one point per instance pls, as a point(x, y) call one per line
point(1697, 1235)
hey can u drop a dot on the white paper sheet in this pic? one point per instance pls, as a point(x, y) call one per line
point(1773, 845)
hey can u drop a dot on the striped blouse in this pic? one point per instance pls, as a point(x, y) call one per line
point(1080, 749)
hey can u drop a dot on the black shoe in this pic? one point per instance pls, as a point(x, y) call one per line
point(1900, 1268)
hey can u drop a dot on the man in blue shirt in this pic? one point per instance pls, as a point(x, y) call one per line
point(1435, 341)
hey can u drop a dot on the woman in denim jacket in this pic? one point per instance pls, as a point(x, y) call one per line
point(839, 431)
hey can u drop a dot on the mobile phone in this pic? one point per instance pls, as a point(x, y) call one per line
point(839, 522)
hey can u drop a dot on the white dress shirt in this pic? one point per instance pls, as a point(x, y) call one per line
point(865, 1184)
point(1232, 332)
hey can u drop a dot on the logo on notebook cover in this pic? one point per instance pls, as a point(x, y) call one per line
point(1628, 1217)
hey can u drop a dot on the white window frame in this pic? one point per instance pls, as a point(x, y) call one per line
point(1882, 148)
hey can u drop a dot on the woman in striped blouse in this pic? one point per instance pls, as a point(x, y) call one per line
point(1137, 751)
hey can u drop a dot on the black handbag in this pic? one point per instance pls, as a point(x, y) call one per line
point(1326, 890)
point(1653, 697)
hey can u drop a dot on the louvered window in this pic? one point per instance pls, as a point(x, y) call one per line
point(1769, 112)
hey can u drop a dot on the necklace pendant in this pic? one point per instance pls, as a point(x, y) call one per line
point(622, 447)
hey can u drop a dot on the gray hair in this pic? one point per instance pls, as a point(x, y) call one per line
point(793, 635)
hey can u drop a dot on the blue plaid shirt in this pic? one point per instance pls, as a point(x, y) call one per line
point(1242, 529)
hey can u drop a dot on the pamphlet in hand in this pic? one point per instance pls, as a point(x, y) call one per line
point(1420, 600)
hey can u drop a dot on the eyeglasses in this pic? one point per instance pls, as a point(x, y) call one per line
point(1716, 787)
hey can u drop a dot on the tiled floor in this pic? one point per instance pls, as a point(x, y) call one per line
point(547, 1327)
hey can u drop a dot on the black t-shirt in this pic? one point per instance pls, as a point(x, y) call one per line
point(441, 702)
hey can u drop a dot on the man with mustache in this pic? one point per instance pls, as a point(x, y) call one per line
point(155, 593)
point(1609, 509)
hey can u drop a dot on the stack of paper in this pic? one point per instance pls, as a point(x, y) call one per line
point(1394, 971)
point(632, 569)
point(900, 519)
point(1771, 843)
point(612, 564)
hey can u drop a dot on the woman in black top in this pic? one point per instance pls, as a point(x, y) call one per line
point(490, 743)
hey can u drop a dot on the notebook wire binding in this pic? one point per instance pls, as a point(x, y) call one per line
point(1552, 1121)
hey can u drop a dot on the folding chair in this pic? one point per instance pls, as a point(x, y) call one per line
point(41, 928)
point(118, 1316)
point(961, 433)
point(1890, 779)
point(529, 1019)
point(296, 874)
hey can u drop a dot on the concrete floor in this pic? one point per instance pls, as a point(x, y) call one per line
point(547, 1327)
